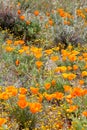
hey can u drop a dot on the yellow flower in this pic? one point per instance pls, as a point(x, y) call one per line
point(21, 51)
point(84, 73)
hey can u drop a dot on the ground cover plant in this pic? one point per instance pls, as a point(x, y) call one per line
point(43, 65)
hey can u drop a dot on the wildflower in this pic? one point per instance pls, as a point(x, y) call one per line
point(47, 86)
point(84, 113)
point(21, 97)
point(34, 90)
point(49, 51)
point(35, 107)
point(65, 75)
point(39, 64)
point(63, 68)
point(84, 73)
point(51, 22)
point(17, 62)
point(4, 96)
point(81, 82)
point(36, 12)
point(77, 92)
point(38, 55)
point(40, 97)
point(12, 91)
point(67, 88)
point(53, 82)
point(9, 49)
point(75, 67)
point(66, 22)
point(2, 121)
point(9, 41)
point(72, 58)
point(54, 58)
point(69, 68)
point(80, 58)
point(57, 70)
point(69, 98)
point(19, 11)
point(49, 97)
point(21, 42)
point(28, 22)
point(48, 14)
point(21, 51)
point(72, 108)
point(22, 90)
point(85, 55)
point(22, 17)
point(22, 103)
point(71, 76)
point(58, 95)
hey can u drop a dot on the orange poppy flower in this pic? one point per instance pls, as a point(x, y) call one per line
point(80, 58)
point(54, 58)
point(49, 97)
point(40, 98)
point(72, 108)
point(39, 64)
point(67, 88)
point(21, 42)
point(35, 107)
point(53, 82)
point(17, 62)
point(71, 76)
point(75, 67)
point(22, 90)
point(2, 121)
point(47, 86)
point(22, 104)
point(4, 96)
point(19, 11)
point(22, 17)
point(69, 68)
point(51, 22)
point(38, 55)
point(49, 51)
point(58, 95)
point(21, 97)
point(9, 41)
point(84, 73)
point(77, 92)
point(84, 113)
point(28, 22)
point(81, 82)
point(34, 90)
point(36, 12)
point(72, 58)
point(9, 49)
